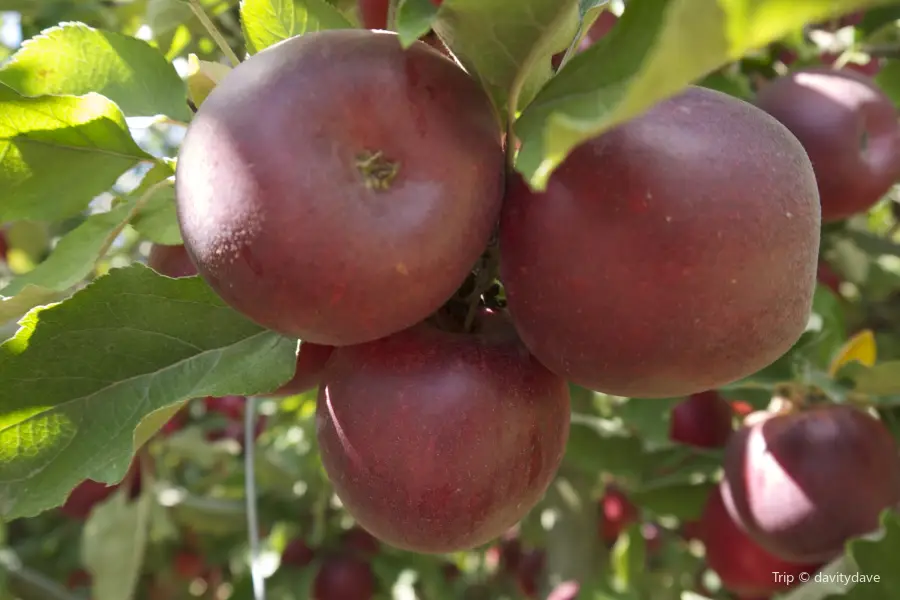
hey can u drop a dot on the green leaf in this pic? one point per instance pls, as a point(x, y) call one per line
point(888, 79)
point(628, 558)
point(157, 218)
point(508, 44)
point(27, 298)
point(649, 417)
point(128, 71)
point(267, 22)
point(657, 48)
point(79, 377)
point(683, 500)
point(881, 380)
point(59, 152)
point(75, 254)
point(877, 558)
point(113, 543)
point(414, 19)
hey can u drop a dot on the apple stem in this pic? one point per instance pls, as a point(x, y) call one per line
point(259, 582)
point(378, 172)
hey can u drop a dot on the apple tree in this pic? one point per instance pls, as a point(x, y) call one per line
point(424, 299)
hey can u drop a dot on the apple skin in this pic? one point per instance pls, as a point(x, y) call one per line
point(297, 554)
point(373, 14)
point(171, 261)
point(360, 542)
point(529, 571)
point(89, 493)
point(189, 565)
point(637, 271)
point(305, 242)
point(438, 441)
point(801, 485)
point(344, 578)
point(705, 420)
point(232, 407)
point(604, 23)
point(311, 361)
point(849, 128)
point(744, 567)
point(617, 513)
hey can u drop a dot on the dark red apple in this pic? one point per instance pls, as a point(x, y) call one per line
point(528, 574)
point(654, 245)
point(344, 578)
point(368, 213)
point(828, 277)
point(705, 420)
point(78, 579)
point(373, 14)
point(297, 554)
point(311, 360)
point(171, 261)
point(617, 513)
point(598, 30)
point(89, 493)
point(4, 246)
point(438, 441)
point(235, 431)
point(803, 484)
point(360, 542)
point(743, 566)
point(229, 406)
point(849, 128)
point(189, 565)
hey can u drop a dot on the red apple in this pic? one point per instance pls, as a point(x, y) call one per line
point(171, 261)
point(311, 360)
point(344, 578)
point(528, 574)
point(189, 565)
point(704, 420)
point(230, 406)
point(438, 441)
point(297, 554)
point(743, 566)
point(849, 129)
point(803, 484)
point(360, 542)
point(617, 513)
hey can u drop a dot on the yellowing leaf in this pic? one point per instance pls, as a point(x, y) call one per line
point(860, 348)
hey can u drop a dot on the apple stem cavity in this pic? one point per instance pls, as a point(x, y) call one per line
point(378, 172)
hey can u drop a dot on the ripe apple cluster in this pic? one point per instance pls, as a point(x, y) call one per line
point(340, 189)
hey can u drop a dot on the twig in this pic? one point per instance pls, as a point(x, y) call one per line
point(35, 581)
point(214, 32)
point(259, 582)
point(111, 238)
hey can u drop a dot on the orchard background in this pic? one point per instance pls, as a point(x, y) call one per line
point(125, 468)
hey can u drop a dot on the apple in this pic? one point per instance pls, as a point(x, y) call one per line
point(368, 212)
point(637, 270)
point(530, 569)
point(803, 484)
point(297, 554)
point(438, 441)
point(344, 578)
point(704, 420)
point(743, 566)
point(311, 361)
point(188, 565)
point(171, 261)
point(229, 406)
point(89, 493)
point(360, 542)
point(849, 128)
point(617, 513)
point(604, 23)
